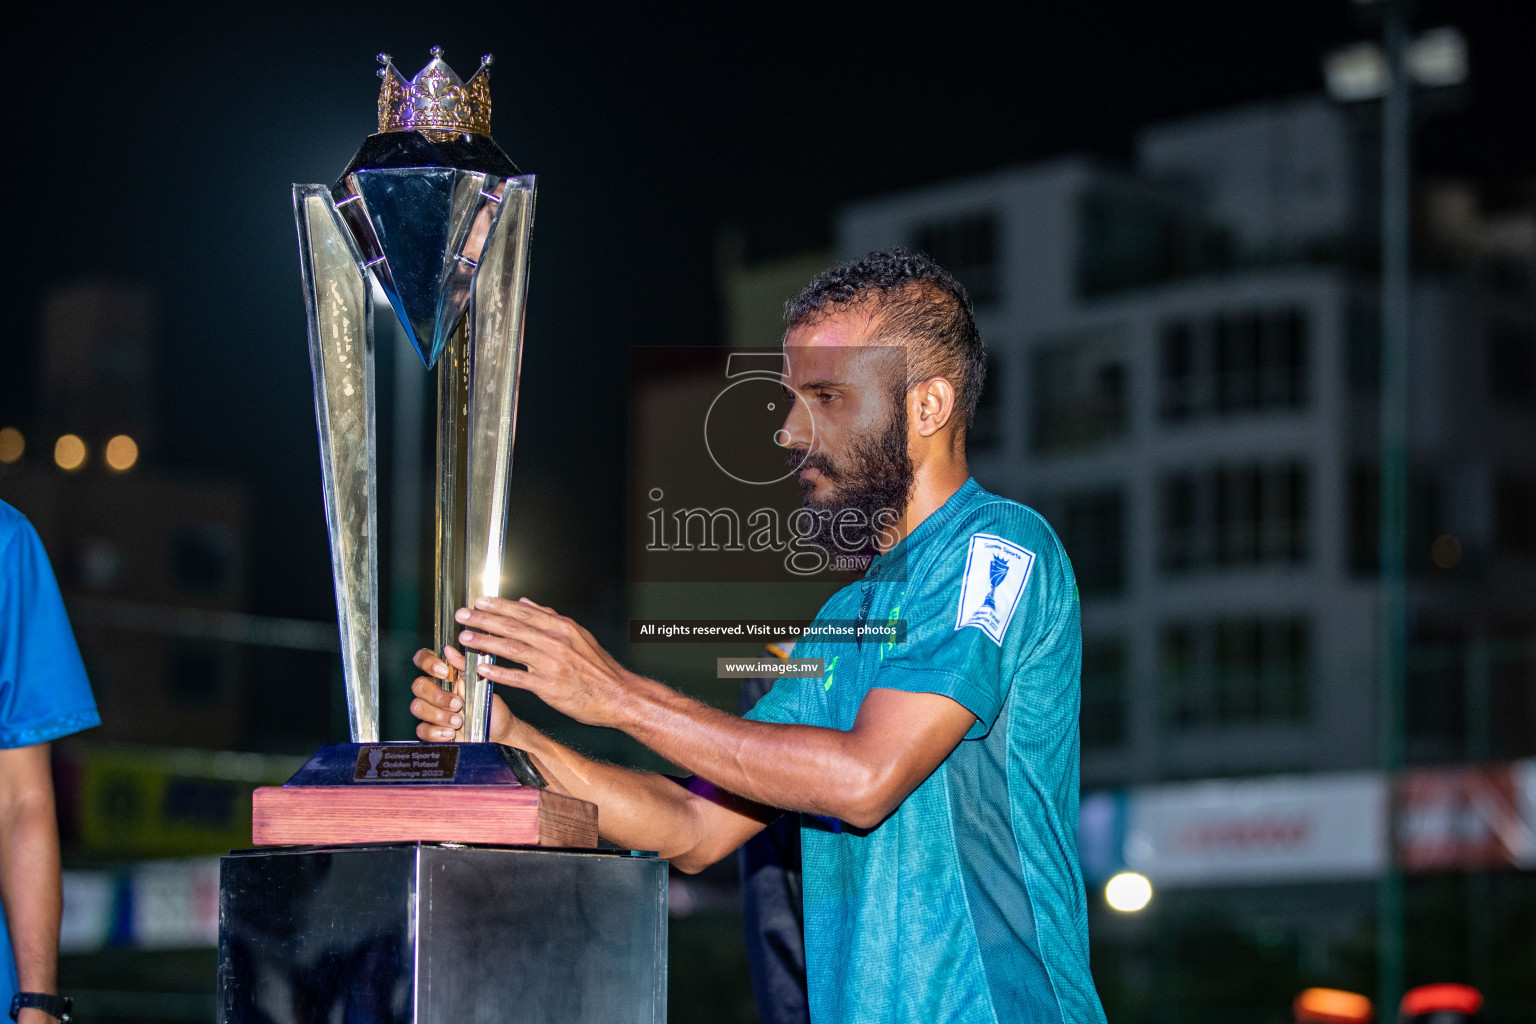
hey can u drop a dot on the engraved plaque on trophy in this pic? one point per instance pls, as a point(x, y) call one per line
point(431, 214)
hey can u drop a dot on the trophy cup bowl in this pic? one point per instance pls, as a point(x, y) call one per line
point(431, 214)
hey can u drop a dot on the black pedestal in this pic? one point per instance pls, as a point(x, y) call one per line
point(420, 933)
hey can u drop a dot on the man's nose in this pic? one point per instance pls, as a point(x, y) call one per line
point(797, 429)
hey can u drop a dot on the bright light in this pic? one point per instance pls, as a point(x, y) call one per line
point(69, 452)
point(1332, 1005)
point(1438, 58)
point(1435, 60)
point(122, 452)
point(12, 444)
point(1128, 892)
point(490, 584)
point(1356, 73)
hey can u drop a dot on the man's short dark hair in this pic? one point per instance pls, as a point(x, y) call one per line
point(913, 301)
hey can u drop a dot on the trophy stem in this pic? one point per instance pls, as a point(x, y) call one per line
point(340, 318)
point(496, 341)
point(452, 482)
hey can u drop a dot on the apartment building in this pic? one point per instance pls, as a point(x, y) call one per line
point(1183, 380)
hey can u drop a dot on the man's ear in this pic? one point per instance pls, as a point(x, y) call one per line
point(931, 405)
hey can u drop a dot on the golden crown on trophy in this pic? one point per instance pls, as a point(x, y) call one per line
point(436, 100)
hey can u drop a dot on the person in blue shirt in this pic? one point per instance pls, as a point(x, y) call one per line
point(936, 773)
point(44, 695)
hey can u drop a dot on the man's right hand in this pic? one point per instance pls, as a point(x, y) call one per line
point(441, 712)
point(639, 810)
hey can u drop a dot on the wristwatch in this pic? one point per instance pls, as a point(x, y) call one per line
point(53, 1006)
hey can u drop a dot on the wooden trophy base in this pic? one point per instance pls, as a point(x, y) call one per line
point(492, 815)
point(478, 793)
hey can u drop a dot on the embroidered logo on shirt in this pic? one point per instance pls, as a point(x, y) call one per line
point(995, 573)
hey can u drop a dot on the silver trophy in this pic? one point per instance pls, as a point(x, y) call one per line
point(434, 216)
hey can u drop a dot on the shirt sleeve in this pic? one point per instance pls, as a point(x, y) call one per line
point(981, 611)
point(44, 693)
point(781, 704)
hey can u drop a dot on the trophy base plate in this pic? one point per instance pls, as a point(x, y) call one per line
point(496, 815)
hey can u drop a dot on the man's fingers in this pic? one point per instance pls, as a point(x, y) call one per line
point(485, 624)
point(430, 663)
point(502, 606)
point(534, 604)
point(431, 714)
point(432, 733)
point(499, 605)
point(523, 609)
point(432, 692)
point(506, 675)
point(455, 657)
point(513, 648)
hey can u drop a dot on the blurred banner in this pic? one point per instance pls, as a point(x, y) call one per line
point(1312, 828)
point(1480, 816)
point(122, 803)
point(1283, 829)
point(166, 904)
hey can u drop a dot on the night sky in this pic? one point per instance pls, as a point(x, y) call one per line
point(158, 145)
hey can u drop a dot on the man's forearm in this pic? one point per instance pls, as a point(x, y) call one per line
point(859, 775)
point(29, 885)
point(637, 810)
point(795, 767)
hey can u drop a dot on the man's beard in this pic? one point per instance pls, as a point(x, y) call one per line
point(874, 479)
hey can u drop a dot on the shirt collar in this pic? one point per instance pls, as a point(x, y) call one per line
point(953, 506)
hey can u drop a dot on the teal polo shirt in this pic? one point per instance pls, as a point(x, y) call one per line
point(966, 905)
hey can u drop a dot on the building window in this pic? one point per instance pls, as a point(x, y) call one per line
point(1238, 670)
point(1181, 523)
point(1515, 516)
point(1081, 392)
point(1512, 365)
point(1260, 514)
point(1179, 395)
point(1178, 669)
point(968, 248)
point(1246, 515)
point(1362, 347)
point(1260, 670)
point(1236, 362)
point(1103, 722)
point(1129, 240)
point(1091, 525)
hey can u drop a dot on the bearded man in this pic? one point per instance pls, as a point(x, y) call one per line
point(937, 778)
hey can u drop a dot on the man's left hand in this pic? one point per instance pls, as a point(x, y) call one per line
point(563, 665)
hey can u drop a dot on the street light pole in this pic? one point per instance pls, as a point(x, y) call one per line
point(1393, 539)
point(1437, 59)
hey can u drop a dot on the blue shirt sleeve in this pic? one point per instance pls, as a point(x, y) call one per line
point(44, 693)
point(983, 610)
